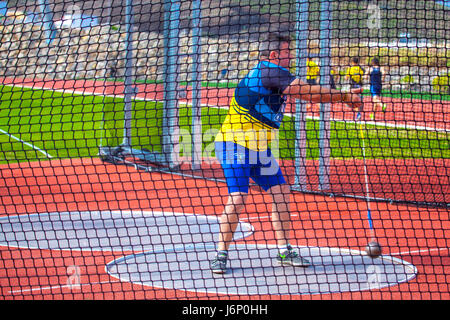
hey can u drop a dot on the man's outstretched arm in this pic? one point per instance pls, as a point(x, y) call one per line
point(320, 94)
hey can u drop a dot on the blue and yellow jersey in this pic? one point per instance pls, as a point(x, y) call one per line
point(256, 109)
point(355, 74)
point(312, 70)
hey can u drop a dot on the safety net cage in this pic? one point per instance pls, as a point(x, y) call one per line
point(266, 149)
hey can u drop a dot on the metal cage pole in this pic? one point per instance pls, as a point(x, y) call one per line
point(128, 81)
point(170, 113)
point(325, 108)
point(302, 30)
point(196, 86)
point(49, 26)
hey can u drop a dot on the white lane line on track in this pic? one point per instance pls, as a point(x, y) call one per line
point(403, 253)
point(73, 286)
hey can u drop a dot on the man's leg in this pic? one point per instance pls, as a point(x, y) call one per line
point(237, 176)
point(228, 223)
point(282, 225)
point(281, 218)
point(230, 219)
point(270, 177)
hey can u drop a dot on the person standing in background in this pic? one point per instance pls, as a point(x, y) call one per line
point(377, 75)
point(355, 74)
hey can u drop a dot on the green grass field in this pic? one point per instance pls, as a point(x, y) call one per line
point(73, 126)
point(385, 93)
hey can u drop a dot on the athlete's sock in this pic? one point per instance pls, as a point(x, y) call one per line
point(222, 254)
point(284, 248)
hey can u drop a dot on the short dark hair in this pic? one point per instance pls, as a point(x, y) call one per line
point(272, 43)
point(376, 61)
point(355, 60)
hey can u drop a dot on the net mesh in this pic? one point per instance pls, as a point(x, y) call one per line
point(112, 187)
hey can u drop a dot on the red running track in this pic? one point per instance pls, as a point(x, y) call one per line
point(417, 235)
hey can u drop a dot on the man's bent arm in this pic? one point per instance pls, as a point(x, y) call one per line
point(321, 94)
point(314, 93)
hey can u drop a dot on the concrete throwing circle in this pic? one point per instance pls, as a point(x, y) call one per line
point(252, 270)
point(112, 230)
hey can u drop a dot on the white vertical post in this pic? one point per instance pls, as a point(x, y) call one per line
point(196, 86)
point(170, 139)
point(49, 26)
point(128, 81)
point(302, 28)
point(325, 108)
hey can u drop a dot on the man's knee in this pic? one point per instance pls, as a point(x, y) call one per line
point(280, 192)
point(236, 201)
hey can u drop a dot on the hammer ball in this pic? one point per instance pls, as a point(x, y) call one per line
point(373, 249)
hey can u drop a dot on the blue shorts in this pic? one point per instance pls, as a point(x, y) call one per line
point(240, 164)
point(311, 81)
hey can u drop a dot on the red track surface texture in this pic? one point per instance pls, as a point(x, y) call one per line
point(417, 235)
